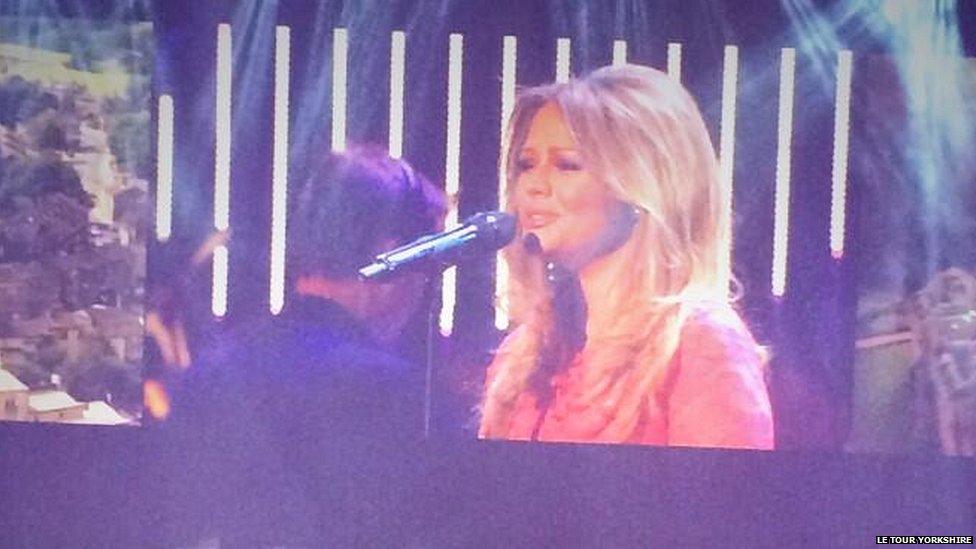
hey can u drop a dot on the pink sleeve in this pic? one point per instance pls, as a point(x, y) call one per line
point(718, 397)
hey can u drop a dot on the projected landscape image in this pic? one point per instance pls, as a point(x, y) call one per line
point(75, 158)
point(915, 369)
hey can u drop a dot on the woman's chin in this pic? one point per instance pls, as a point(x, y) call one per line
point(547, 243)
point(554, 248)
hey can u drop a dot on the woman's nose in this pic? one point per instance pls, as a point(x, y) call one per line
point(537, 182)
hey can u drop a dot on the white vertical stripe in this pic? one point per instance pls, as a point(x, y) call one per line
point(842, 122)
point(781, 225)
point(223, 130)
point(222, 127)
point(452, 171)
point(674, 61)
point(562, 59)
point(397, 65)
point(730, 79)
point(279, 169)
point(509, 60)
point(218, 302)
point(340, 54)
point(164, 169)
point(619, 52)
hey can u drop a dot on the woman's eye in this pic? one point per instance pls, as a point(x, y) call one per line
point(523, 164)
point(569, 165)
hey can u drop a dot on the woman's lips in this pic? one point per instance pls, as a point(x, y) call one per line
point(534, 221)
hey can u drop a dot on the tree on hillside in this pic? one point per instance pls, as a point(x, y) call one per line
point(131, 142)
point(21, 100)
point(43, 210)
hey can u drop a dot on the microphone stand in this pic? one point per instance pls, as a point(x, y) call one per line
point(432, 310)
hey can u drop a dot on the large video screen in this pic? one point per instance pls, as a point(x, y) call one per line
point(784, 227)
point(76, 159)
point(764, 241)
point(761, 243)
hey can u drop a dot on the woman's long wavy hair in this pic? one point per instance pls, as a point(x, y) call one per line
point(642, 136)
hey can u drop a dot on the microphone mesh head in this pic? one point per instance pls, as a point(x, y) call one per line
point(532, 244)
point(498, 228)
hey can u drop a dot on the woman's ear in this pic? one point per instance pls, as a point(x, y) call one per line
point(624, 218)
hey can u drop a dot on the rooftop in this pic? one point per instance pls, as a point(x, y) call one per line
point(101, 413)
point(10, 383)
point(49, 401)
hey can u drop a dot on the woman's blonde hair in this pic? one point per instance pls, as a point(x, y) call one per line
point(642, 136)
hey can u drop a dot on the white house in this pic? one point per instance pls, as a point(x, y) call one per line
point(13, 398)
point(55, 406)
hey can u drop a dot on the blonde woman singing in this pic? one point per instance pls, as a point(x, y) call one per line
point(624, 331)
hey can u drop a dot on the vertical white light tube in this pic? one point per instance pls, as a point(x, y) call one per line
point(340, 56)
point(562, 59)
point(842, 121)
point(509, 60)
point(781, 223)
point(279, 169)
point(674, 61)
point(218, 303)
point(222, 127)
point(452, 172)
point(726, 155)
point(619, 52)
point(164, 169)
point(398, 46)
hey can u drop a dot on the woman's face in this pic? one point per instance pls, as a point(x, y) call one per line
point(556, 197)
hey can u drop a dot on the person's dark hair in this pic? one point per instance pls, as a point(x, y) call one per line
point(350, 205)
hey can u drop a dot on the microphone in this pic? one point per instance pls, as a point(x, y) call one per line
point(482, 232)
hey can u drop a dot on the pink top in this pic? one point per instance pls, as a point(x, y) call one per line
point(711, 394)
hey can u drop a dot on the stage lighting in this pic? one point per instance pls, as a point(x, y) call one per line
point(340, 55)
point(562, 59)
point(730, 81)
point(398, 54)
point(781, 223)
point(674, 61)
point(509, 60)
point(452, 175)
point(279, 168)
point(222, 165)
point(842, 119)
point(164, 169)
point(619, 52)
